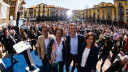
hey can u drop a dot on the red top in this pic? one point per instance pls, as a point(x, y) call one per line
point(126, 67)
point(126, 45)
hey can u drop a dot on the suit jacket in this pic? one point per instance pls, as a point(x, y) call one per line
point(91, 60)
point(67, 43)
point(41, 45)
point(8, 43)
point(115, 67)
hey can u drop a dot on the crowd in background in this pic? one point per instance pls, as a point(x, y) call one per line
point(58, 43)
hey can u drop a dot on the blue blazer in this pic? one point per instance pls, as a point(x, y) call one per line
point(91, 60)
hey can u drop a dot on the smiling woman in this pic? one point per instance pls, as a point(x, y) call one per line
point(88, 54)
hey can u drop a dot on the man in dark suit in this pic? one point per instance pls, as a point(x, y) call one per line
point(73, 44)
point(118, 65)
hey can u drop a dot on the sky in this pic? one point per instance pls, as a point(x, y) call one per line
point(70, 4)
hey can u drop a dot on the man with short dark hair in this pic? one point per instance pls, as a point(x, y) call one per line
point(73, 43)
point(8, 43)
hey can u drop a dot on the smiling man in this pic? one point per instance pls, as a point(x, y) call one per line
point(73, 44)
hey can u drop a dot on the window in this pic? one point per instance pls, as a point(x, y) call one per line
point(98, 6)
point(126, 3)
point(102, 5)
point(39, 6)
point(120, 10)
point(103, 16)
point(115, 17)
point(121, 17)
point(98, 16)
point(94, 14)
point(103, 10)
point(43, 6)
point(43, 10)
point(13, 4)
point(127, 11)
point(109, 5)
point(39, 10)
point(114, 10)
point(48, 10)
point(35, 15)
point(120, 4)
point(108, 10)
point(98, 10)
point(109, 17)
point(127, 18)
point(47, 14)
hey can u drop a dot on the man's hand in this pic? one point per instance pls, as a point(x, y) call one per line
point(39, 57)
point(76, 64)
point(50, 62)
point(105, 44)
point(92, 71)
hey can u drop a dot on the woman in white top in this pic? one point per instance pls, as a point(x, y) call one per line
point(56, 51)
point(88, 54)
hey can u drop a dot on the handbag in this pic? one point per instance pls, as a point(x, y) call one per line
point(54, 67)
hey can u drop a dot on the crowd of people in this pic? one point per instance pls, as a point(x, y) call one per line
point(58, 43)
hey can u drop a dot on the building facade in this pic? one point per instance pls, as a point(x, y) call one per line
point(4, 14)
point(15, 7)
point(108, 13)
point(78, 15)
point(44, 12)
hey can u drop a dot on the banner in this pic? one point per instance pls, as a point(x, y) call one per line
point(3, 10)
point(20, 23)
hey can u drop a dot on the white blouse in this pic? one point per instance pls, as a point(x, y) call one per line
point(84, 57)
point(59, 50)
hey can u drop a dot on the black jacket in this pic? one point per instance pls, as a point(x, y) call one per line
point(8, 43)
point(91, 60)
point(115, 67)
point(107, 48)
point(67, 43)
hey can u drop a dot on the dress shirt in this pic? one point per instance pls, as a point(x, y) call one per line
point(46, 41)
point(74, 45)
point(59, 50)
